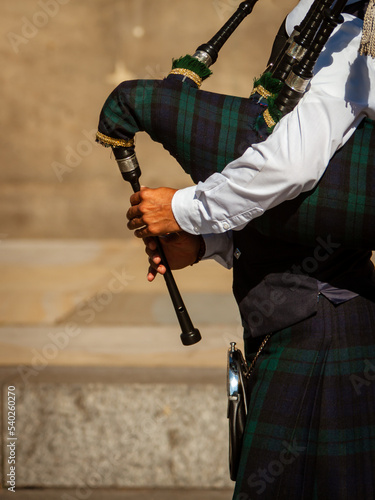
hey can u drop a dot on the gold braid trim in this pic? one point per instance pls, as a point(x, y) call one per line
point(189, 74)
point(262, 91)
point(270, 122)
point(109, 141)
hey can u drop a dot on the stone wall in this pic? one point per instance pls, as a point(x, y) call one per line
point(117, 428)
point(61, 58)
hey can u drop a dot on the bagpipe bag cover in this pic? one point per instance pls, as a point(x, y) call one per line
point(204, 131)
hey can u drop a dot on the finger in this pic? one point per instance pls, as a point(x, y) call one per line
point(153, 256)
point(135, 224)
point(151, 275)
point(161, 269)
point(144, 232)
point(136, 198)
point(148, 230)
point(154, 270)
point(156, 262)
point(150, 243)
point(133, 212)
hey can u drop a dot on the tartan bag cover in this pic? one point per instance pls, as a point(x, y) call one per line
point(205, 131)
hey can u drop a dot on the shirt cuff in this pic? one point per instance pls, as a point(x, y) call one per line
point(195, 216)
point(220, 248)
point(185, 210)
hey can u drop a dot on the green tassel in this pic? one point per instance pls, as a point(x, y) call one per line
point(274, 112)
point(192, 64)
point(273, 85)
point(259, 124)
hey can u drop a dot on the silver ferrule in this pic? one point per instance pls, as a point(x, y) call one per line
point(293, 35)
point(297, 83)
point(128, 164)
point(203, 57)
point(296, 51)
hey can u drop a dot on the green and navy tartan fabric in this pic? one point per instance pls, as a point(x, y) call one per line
point(310, 433)
point(205, 131)
point(342, 204)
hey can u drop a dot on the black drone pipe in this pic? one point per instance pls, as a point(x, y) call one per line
point(300, 76)
point(302, 40)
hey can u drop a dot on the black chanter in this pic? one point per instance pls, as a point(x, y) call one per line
point(205, 55)
point(129, 168)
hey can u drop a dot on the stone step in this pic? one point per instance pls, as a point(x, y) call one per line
point(117, 428)
point(74, 345)
point(120, 494)
point(106, 394)
point(141, 308)
point(101, 282)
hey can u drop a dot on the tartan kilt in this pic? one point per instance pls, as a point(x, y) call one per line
point(310, 432)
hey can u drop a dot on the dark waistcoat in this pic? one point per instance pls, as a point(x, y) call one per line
point(276, 283)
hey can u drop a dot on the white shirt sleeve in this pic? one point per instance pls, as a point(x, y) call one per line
point(220, 248)
point(293, 158)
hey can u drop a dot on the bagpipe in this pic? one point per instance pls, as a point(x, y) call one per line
point(205, 131)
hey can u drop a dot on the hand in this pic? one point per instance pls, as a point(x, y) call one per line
point(151, 212)
point(180, 249)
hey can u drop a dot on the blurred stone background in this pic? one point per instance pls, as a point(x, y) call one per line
point(107, 397)
point(61, 59)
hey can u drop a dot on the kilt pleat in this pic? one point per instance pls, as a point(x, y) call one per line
point(310, 431)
